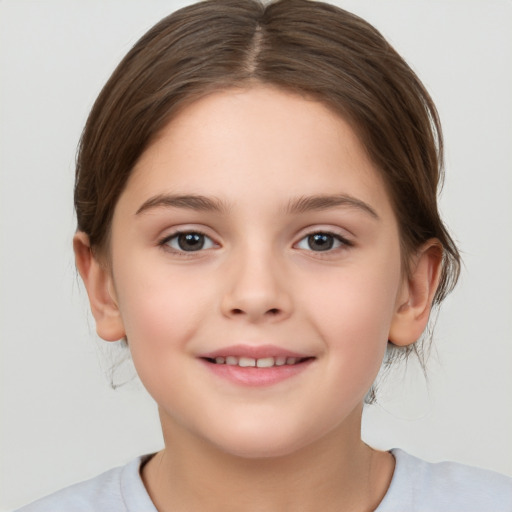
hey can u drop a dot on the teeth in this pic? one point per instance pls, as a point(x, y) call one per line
point(264, 362)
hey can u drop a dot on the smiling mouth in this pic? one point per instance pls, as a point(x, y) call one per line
point(263, 362)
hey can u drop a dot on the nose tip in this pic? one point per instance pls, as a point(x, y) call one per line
point(257, 293)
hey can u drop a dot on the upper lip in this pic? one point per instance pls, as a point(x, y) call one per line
point(253, 351)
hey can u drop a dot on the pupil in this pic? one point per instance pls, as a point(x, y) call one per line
point(191, 241)
point(320, 242)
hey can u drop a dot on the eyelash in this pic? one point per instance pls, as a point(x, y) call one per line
point(335, 237)
point(165, 242)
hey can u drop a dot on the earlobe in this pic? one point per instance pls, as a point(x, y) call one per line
point(98, 282)
point(416, 295)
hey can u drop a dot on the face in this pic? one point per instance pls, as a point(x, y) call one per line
point(256, 271)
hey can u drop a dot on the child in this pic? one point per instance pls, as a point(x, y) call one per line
point(257, 218)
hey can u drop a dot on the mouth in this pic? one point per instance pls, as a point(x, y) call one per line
point(256, 366)
point(261, 362)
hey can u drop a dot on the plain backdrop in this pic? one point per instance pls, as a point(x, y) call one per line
point(61, 422)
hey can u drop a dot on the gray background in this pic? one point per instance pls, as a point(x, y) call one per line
point(61, 422)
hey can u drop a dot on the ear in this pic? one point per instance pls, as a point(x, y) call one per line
point(414, 301)
point(100, 289)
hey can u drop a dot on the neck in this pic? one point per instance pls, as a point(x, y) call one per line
point(335, 473)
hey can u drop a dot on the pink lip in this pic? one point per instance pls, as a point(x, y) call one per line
point(254, 351)
point(251, 376)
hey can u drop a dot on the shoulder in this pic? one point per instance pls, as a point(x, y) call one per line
point(423, 486)
point(117, 490)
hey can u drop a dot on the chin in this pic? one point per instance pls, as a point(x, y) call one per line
point(263, 443)
point(256, 449)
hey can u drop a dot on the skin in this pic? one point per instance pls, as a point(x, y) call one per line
point(293, 445)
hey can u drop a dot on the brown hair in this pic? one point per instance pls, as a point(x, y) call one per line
point(303, 46)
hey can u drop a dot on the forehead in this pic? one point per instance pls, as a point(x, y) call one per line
point(257, 141)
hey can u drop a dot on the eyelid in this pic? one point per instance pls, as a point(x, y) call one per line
point(345, 241)
point(164, 241)
point(340, 233)
point(337, 233)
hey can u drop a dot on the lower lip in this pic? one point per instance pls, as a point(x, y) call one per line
point(257, 377)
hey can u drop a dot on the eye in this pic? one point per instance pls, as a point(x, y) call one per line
point(321, 242)
point(189, 241)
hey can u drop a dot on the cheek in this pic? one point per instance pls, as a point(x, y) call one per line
point(160, 311)
point(160, 315)
point(353, 311)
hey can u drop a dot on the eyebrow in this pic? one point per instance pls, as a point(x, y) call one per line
point(302, 204)
point(306, 204)
point(189, 201)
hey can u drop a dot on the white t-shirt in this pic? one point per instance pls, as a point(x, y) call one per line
point(416, 486)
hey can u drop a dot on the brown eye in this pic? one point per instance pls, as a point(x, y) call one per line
point(189, 242)
point(321, 242)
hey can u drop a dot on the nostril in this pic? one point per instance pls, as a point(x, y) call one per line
point(271, 312)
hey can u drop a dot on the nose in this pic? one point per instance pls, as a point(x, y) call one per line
point(256, 289)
